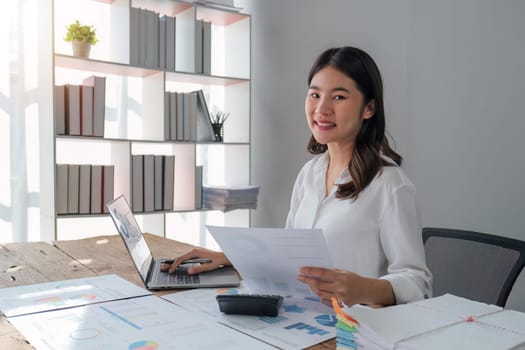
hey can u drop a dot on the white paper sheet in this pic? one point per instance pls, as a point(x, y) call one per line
point(500, 331)
point(301, 322)
point(40, 297)
point(139, 323)
point(269, 259)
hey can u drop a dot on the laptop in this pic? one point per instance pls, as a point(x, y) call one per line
point(149, 268)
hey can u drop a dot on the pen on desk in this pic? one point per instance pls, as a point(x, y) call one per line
point(190, 261)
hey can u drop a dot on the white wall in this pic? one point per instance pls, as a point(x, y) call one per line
point(453, 73)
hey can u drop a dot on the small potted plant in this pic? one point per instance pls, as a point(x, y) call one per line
point(81, 38)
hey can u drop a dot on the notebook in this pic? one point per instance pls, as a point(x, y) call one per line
point(149, 268)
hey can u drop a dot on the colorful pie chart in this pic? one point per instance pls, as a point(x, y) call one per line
point(144, 345)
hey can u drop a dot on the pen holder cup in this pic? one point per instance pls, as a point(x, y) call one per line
point(218, 132)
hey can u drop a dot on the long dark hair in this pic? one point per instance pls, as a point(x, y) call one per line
point(371, 141)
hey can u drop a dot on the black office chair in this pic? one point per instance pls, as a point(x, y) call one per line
point(516, 299)
point(477, 266)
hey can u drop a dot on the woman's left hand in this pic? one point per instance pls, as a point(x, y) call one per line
point(346, 286)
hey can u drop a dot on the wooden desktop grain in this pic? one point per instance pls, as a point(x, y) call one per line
point(36, 262)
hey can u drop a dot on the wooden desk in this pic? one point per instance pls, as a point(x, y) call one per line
point(36, 262)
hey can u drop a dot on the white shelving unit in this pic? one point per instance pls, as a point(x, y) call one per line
point(134, 121)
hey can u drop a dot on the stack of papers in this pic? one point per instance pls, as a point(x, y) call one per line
point(445, 322)
point(346, 328)
point(229, 198)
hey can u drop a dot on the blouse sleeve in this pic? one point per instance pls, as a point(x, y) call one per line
point(403, 246)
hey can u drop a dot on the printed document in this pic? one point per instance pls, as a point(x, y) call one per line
point(269, 259)
point(48, 296)
point(301, 323)
point(139, 323)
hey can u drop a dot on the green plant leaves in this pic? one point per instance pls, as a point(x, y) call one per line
point(77, 31)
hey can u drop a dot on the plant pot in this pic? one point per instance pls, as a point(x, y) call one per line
point(218, 132)
point(81, 48)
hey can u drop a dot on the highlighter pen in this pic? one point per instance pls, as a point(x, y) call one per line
point(189, 261)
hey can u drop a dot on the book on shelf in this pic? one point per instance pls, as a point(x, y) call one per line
point(189, 116)
point(62, 188)
point(84, 189)
point(180, 116)
point(203, 119)
point(142, 37)
point(108, 185)
point(137, 182)
point(169, 181)
point(193, 116)
point(152, 39)
point(73, 109)
point(99, 103)
point(206, 48)
point(159, 174)
point(198, 186)
point(171, 25)
point(162, 42)
point(73, 181)
point(134, 29)
point(198, 46)
point(86, 115)
point(59, 109)
point(167, 117)
point(149, 182)
point(173, 115)
point(96, 189)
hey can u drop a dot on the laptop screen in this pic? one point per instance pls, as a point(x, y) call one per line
point(130, 232)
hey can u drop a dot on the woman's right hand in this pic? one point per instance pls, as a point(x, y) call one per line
point(218, 259)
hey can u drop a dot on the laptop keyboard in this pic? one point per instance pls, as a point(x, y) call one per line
point(178, 277)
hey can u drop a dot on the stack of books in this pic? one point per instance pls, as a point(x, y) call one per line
point(186, 117)
point(156, 41)
point(79, 110)
point(444, 322)
point(229, 198)
point(84, 188)
point(153, 181)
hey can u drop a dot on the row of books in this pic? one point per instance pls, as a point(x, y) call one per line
point(80, 109)
point(85, 188)
point(186, 117)
point(153, 41)
point(227, 198)
point(152, 182)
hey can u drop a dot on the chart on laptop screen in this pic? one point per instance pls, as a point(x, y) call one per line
point(130, 232)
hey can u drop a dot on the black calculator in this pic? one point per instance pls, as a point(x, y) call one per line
point(250, 304)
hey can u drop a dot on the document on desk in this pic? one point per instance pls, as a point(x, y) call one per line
point(444, 322)
point(301, 322)
point(269, 259)
point(147, 322)
point(38, 297)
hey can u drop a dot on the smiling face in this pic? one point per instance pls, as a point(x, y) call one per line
point(334, 108)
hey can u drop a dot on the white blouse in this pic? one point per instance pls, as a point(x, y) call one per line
point(378, 235)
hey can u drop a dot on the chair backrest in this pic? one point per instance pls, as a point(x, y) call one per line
point(478, 266)
point(516, 299)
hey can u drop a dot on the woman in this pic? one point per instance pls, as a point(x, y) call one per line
point(354, 190)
